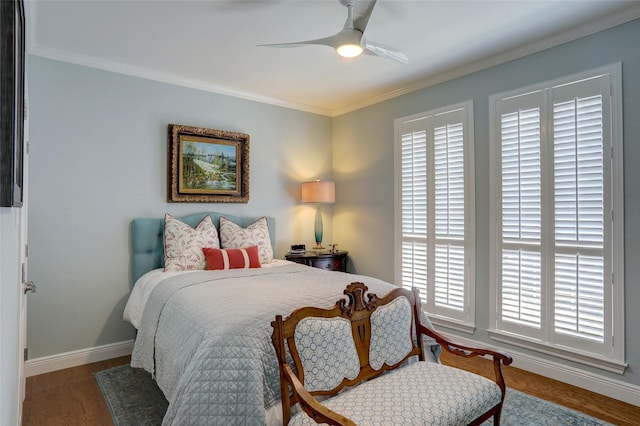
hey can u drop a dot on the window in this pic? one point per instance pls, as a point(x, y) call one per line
point(435, 235)
point(556, 163)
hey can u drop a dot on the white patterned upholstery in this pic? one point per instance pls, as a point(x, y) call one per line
point(327, 352)
point(422, 393)
point(391, 337)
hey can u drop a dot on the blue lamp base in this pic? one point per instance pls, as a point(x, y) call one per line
point(318, 229)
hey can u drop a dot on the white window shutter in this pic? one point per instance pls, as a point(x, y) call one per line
point(578, 172)
point(414, 182)
point(521, 287)
point(555, 192)
point(521, 175)
point(579, 296)
point(520, 290)
point(449, 216)
point(414, 266)
point(579, 278)
point(435, 155)
point(414, 205)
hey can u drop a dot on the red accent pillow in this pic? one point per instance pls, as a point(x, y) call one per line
point(232, 258)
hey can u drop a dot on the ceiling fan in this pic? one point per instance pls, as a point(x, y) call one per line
point(351, 42)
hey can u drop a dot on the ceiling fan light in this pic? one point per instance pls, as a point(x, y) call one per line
point(349, 50)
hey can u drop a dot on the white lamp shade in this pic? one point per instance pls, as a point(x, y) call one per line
point(319, 192)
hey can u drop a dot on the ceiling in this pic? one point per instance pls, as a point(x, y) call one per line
point(212, 45)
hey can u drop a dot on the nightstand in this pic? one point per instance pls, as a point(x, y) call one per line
point(327, 260)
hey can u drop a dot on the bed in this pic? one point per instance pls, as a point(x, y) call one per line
point(205, 335)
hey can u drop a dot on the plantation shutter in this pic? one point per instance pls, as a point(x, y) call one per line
point(553, 203)
point(521, 291)
point(435, 188)
point(414, 204)
point(449, 204)
point(521, 204)
point(579, 200)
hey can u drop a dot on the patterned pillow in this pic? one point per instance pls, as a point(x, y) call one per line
point(183, 244)
point(232, 258)
point(256, 234)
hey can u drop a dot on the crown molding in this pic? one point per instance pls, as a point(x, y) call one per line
point(573, 34)
point(149, 74)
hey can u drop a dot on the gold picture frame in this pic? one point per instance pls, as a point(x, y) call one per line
point(207, 165)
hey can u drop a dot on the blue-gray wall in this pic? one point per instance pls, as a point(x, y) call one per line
point(98, 159)
point(363, 150)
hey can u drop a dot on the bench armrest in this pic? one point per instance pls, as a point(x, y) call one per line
point(318, 412)
point(499, 357)
point(463, 350)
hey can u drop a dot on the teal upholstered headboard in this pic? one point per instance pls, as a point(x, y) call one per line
point(147, 244)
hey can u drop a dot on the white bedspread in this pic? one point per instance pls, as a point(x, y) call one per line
point(206, 336)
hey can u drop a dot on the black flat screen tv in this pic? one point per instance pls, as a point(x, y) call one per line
point(12, 57)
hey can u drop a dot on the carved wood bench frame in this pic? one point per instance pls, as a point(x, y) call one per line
point(358, 311)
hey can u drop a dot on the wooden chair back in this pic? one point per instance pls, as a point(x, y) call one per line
point(355, 313)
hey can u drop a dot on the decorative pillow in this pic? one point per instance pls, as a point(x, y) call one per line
point(183, 244)
point(256, 234)
point(232, 258)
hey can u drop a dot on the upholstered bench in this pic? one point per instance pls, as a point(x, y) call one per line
point(357, 358)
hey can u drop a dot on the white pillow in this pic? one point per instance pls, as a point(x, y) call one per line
point(256, 234)
point(183, 244)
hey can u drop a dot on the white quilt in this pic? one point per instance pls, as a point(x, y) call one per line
point(206, 337)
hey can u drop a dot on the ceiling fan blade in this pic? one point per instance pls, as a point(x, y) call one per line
point(378, 49)
point(361, 14)
point(325, 41)
point(349, 41)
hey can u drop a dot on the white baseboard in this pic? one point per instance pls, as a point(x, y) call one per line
point(593, 382)
point(603, 385)
point(47, 364)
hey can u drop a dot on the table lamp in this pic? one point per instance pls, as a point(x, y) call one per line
point(318, 192)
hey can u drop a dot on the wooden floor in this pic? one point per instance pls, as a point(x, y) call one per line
point(68, 397)
point(596, 405)
point(71, 397)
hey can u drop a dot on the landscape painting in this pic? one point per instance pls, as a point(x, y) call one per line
point(207, 165)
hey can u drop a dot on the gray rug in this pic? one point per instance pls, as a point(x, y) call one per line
point(135, 400)
point(132, 396)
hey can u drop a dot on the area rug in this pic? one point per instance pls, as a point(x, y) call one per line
point(134, 400)
point(132, 396)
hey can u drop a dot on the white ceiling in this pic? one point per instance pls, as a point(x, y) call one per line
point(211, 45)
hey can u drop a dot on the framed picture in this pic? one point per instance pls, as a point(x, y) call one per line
point(207, 166)
point(12, 48)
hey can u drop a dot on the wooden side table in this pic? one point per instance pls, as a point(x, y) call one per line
point(327, 260)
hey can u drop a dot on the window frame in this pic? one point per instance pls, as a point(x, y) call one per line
point(464, 321)
point(611, 357)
